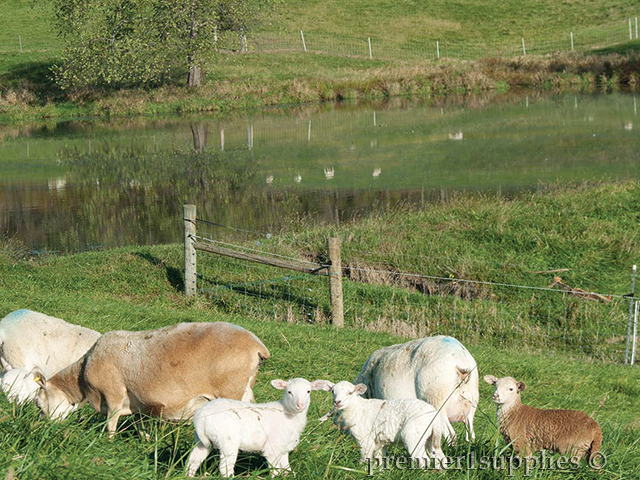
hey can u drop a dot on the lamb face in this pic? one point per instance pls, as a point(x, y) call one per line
point(297, 393)
point(345, 394)
point(507, 389)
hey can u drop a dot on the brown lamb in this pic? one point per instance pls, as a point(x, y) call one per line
point(568, 432)
point(169, 372)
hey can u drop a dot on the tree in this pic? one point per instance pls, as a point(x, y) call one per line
point(122, 43)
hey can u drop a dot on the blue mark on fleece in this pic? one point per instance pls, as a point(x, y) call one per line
point(18, 313)
point(450, 340)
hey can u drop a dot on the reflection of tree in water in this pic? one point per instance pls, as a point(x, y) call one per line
point(132, 195)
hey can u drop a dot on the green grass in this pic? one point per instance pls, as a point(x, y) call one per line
point(584, 228)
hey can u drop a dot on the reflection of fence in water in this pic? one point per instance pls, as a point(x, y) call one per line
point(414, 305)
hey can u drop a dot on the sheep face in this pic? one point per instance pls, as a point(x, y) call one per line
point(19, 385)
point(297, 393)
point(53, 402)
point(344, 393)
point(507, 389)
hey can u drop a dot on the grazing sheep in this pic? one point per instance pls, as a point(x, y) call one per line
point(51, 344)
point(169, 372)
point(270, 429)
point(532, 429)
point(376, 423)
point(438, 370)
point(19, 385)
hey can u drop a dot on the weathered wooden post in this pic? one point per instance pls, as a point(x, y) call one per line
point(335, 282)
point(189, 219)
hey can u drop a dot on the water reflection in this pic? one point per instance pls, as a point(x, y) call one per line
point(73, 185)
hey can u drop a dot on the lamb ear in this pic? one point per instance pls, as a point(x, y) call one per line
point(325, 385)
point(521, 386)
point(360, 388)
point(5, 365)
point(490, 379)
point(279, 384)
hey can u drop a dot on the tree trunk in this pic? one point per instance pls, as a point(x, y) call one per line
point(195, 75)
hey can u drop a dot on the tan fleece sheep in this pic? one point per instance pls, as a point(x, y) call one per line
point(532, 429)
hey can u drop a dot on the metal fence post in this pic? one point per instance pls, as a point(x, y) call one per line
point(189, 220)
point(633, 286)
point(635, 333)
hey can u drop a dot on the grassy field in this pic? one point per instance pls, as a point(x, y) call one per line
point(585, 228)
point(252, 81)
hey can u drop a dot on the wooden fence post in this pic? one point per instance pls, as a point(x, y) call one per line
point(189, 219)
point(335, 282)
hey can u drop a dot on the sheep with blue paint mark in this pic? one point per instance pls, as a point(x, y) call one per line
point(438, 370)
point(34, 344)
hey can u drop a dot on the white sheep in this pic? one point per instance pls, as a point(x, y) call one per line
point(532, 429)
point(19, 385)
point(438, 370)
point(376, 423)
point(271, 429)
point(51, 344)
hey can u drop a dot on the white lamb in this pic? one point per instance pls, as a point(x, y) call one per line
point(19, 385)
point(271, 429)
point(438, 370)
point(376, 423)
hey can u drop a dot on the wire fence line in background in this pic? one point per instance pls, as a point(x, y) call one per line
point(417, 305)
point(377, 47)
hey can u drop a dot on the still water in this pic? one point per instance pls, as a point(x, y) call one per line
point(86, 184)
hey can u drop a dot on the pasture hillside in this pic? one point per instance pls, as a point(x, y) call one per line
point(29, 48)
point(589, 228)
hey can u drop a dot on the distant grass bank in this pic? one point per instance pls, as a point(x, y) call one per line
point(249, 82)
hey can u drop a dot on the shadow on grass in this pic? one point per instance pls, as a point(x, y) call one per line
point(632, 46)
point(36, 77)
point(276, 293)
point(174, 275)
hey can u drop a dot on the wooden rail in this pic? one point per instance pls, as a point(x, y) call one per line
point(305, 267)
point(333, 270)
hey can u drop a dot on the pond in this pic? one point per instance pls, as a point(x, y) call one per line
point(86, 184)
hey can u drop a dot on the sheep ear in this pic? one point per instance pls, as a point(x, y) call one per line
point(521, 386)
point(490, 379)
point(279, 384)
point(39, 378)
point(360, 388)
point(5, 365)
point(325, 385)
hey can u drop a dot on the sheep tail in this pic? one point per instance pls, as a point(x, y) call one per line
point(366, 377)
point(595, 444)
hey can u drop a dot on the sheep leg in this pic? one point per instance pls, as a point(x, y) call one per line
point(279, 464)
point(197, 456)
point(451, 437)
point(228, 459)
point(434, 449)
point(367, 450)
point(468, 421)
point(414, 442)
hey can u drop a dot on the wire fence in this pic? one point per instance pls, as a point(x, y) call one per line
point(378, 47)
point(531, 317)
